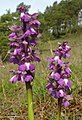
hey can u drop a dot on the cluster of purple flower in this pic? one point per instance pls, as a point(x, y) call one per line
point(22, 38)
point(59, 85)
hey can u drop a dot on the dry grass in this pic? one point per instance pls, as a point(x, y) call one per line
point(13, 102)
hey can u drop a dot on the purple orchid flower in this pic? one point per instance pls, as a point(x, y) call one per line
point(60, 74)
point(25, 73)
point(22, 38)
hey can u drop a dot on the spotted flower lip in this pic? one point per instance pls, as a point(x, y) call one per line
point(23, 40)
point(28, 78)
point(25, 73)
point(59, 84)
point(21, 78)
point(65, 82)
point(26, 66)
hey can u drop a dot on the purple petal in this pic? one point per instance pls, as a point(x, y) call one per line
point(14, 79)
point(14, 44)
point(25, 42)
point(67, 48)
point(21, 9)
point(36, 58)
point(50, 87)
point(12, 36)
point(14, 60)
point(68, 97)
point(52, 66)
point(65, 81)
point(17, 51)
point(28, 78)
point(25, 17)
point(27, 33)
point(35, 23)
point(15, 28)
point(56, 76)
point(34, 16)
point(55, 94)
point(68, 70)
point(60, 62)
point(61, 93)
point(58, 53)
point(66, 103)
point(51, 59)
point(22, 67)
point(56, 58)
point(32, 67)
point(27, 66)
point(32, 42)
point(69, 83)
point(33, 31)
point(22, 79)
point(61, 82)
point(66, 55)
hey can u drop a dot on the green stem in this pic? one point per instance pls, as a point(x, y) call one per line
point(59, 108)
point(30, 101)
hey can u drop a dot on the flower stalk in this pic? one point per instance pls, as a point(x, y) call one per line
point(59, 108)
point(30, 101)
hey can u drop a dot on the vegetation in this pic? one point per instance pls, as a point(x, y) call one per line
point(59, 23)
point(62, 18)
point(12, 96)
